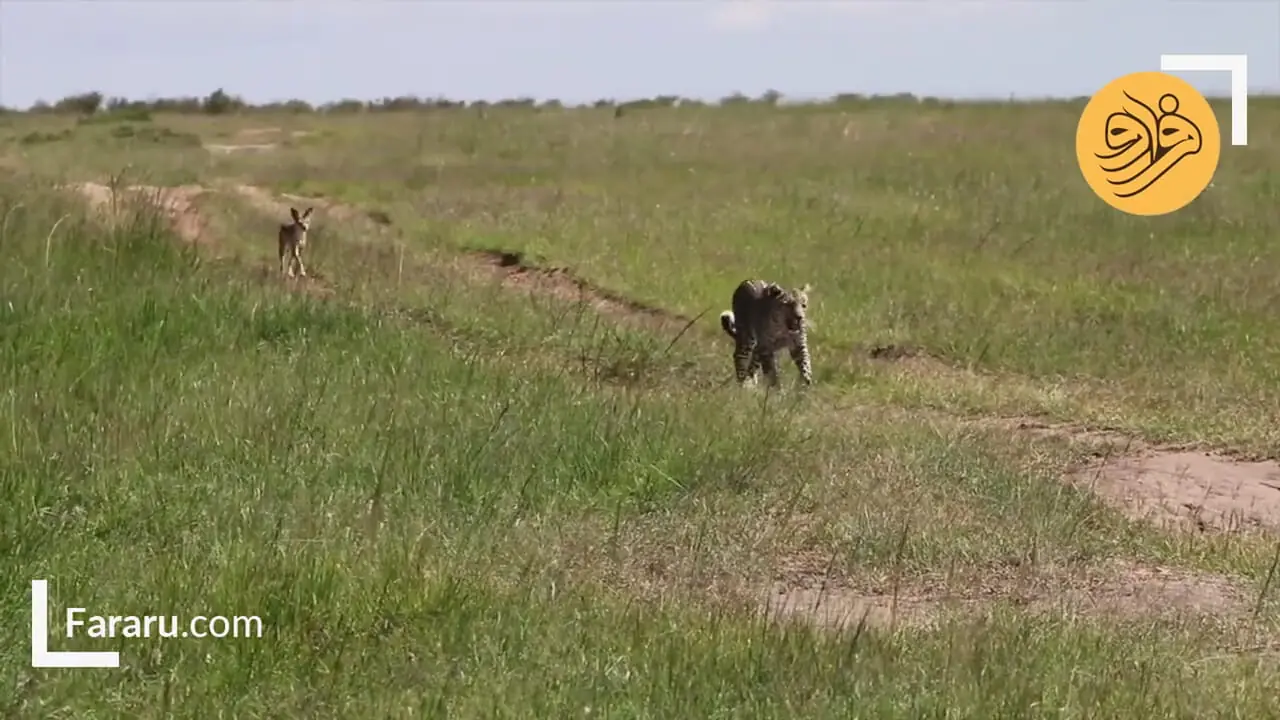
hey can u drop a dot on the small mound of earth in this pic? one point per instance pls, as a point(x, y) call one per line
point(178, 204)
point(1194, 490)
point(894, 351)
point(563, 283)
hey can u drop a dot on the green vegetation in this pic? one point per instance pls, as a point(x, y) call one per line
point(452, 490)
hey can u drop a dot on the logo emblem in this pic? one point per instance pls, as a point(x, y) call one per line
point(1148, 143)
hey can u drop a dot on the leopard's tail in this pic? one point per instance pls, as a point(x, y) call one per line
point(727, 322)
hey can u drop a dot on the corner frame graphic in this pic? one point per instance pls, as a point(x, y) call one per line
point(1238, 68)
point(41, 656)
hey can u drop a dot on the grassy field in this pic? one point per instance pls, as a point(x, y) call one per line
point(458, 487)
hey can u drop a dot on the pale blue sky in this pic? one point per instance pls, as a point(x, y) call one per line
point(584, 50)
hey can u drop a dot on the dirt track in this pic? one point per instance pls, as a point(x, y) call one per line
point(1190, 490)
point(1117, 589)
point(1195, 491)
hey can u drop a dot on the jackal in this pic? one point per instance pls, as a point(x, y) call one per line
point(293, 240)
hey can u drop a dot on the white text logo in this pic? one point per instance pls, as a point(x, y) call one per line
point(80, 623)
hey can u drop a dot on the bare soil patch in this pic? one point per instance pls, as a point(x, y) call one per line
point(1187, 489)
point(1178, 486)
point(254, 140)
point(564, 284)
point(258, 132)
point(264, 201)
point(10, 165)
point(1117, 589)
point(314, 284)
point(804, 585)
point(178, 203)
point(279, 204)
point(247, 147)
point(1184, 487)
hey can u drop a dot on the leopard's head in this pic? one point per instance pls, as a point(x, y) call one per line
point(793, 304)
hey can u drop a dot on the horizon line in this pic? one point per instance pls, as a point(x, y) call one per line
point(780, 98)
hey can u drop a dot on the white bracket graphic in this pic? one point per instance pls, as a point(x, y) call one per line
point(41, 657)
point(1238, 67)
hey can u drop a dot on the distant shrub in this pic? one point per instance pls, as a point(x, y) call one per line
point(127, 114)
point(184, 105)
point(297, 107)
point(661, 101)
point(220, 103)
point(404, 102)
point(38, 138)
point(84, 103)
point(158, 135)
point(92, 106)
point(345, 106)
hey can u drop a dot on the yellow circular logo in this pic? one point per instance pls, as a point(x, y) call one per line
point(1148, 143)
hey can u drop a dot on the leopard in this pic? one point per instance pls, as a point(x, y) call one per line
point(766, 318)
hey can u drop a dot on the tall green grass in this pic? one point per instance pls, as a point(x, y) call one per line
point(428, 526)
point(180, 440)
point(963, 228)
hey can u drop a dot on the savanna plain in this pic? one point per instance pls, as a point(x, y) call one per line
point(488, 458)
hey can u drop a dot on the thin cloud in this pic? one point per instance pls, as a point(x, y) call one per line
point(757, 15)
point(743, 15)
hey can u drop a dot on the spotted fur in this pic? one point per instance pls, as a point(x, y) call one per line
point(292, 241)
point(765, 319)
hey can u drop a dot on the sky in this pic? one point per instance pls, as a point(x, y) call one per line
point(584, 50)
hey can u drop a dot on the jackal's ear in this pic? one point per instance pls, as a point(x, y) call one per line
point(773, 290)
point(307, 213)
point(294, 212)
point(806, 288)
